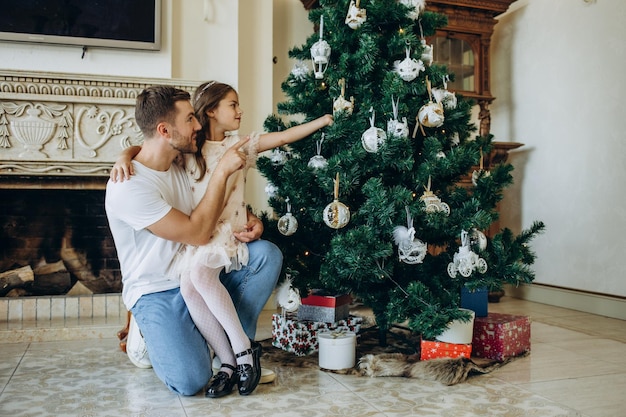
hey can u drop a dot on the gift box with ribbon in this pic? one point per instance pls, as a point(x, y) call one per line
point(301, 336)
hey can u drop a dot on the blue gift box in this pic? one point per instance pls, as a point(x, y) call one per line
point(475, 300)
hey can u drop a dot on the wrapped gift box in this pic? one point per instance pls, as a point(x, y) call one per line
point(475, 300)
point(300, 336)
point(499, 336)
point(324, 308)
point(432, 349)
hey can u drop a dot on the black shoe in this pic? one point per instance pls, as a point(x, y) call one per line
point(222, 384)
point(249, 376)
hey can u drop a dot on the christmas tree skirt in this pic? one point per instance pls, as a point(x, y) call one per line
point(400, 357)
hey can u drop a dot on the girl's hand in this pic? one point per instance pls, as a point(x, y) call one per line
point(122, 169)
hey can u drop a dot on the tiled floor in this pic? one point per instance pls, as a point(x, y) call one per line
point(577, 367)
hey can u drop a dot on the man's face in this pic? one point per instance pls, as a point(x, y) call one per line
point(183, 132)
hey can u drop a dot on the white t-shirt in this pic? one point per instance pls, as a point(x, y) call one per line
point(147, 261)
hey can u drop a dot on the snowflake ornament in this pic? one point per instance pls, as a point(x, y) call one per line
point(416, 6)
point(271, 190)
point(300, 71)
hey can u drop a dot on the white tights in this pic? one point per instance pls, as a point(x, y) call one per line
point(213, 312)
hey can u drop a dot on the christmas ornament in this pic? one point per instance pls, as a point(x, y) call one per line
point(445, 97)
point(271, 190)
point(336, 214)
point(410, 250)
point(299, 71)
point(465, 261)
point(455, 140)
point(430, 114)
point(408, 68)
point(318, 161)
point(341, 104)
point(477, 240)
point(480, 173)
point(287, 225)
point(432, 203)
point(416, 6)
point(427, 52)
point(278, 156)
point(320, 53)
point(287, 297)
point(356, 16)
point(396, 127)
point(374, 137)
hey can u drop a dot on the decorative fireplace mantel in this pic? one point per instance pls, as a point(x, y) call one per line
point(54, 127)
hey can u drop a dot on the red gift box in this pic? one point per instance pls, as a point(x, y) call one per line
point(499, 336)
point(431, 349)
point(317, 298)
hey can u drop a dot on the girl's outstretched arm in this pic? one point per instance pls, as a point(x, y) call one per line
point(293, 134)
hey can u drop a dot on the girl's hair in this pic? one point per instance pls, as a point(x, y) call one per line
point(206, 98)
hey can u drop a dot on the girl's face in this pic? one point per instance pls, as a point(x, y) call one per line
point(227, 115)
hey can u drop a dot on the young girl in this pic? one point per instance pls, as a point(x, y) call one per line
point(216, 106)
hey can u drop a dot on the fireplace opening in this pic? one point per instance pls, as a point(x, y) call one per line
point(63, 236)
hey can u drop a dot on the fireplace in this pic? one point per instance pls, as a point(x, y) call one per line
point(59, 136)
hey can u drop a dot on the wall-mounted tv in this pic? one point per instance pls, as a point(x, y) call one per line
point(129, 24)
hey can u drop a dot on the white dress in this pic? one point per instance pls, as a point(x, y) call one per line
point(223, 250)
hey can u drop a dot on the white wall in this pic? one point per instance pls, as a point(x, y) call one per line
point(557, 75)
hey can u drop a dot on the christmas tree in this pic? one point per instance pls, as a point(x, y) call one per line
point(379, 204)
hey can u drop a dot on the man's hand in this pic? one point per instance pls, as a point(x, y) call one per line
point(252, 230)
point(234, 158)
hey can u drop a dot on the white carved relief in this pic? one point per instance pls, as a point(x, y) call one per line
point(64, 124)
point(95, 127)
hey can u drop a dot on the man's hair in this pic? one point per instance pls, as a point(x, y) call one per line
point(157, 104)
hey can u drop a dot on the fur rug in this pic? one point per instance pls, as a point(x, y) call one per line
point(399, 358)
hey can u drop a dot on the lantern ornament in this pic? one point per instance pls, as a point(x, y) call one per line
point(320, 53)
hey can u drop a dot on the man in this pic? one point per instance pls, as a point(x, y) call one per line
point(152, 217)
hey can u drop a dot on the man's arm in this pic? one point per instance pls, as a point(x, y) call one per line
point(197, 228)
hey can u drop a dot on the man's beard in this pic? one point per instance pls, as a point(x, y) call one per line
point(181, 144)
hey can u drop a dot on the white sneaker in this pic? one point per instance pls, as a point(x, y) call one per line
point(216, 364)
point(136, 346)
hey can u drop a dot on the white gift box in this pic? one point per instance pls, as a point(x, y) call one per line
point(337, 350)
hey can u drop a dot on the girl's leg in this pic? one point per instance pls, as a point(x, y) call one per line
point(219, 306)
point(202, 316)
point(179, 354)
point(252, 285)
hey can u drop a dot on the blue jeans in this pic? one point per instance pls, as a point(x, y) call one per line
point(179, 354)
